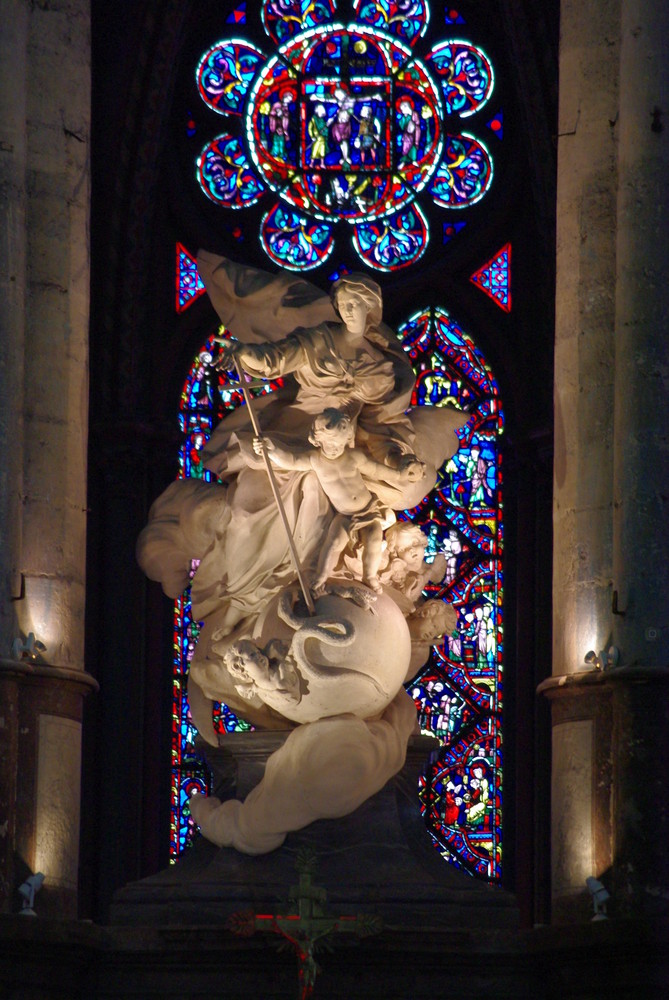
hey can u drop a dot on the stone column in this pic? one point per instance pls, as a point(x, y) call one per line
point(641, 464)
point(584, 402)
point(584, 351)
point(13, 54)
point(13, 48)
point(44, 272)
point(610, 543)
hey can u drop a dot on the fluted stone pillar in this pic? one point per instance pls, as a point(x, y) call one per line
point(610, 494)
point(44, 275)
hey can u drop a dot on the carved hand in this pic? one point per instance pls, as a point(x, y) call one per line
point(263, 443)
point(231, 352)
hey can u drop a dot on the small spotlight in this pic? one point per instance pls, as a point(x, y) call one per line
point(593, 660)
point(599, 897)
point(28, 891)
point(603, 660)
point(29, 649)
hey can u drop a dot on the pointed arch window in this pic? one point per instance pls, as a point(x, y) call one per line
point(272, 200)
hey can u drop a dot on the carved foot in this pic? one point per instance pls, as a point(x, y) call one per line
point(202, 807)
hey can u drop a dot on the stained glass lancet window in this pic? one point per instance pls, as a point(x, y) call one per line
point(459, 691)
point(206, 397)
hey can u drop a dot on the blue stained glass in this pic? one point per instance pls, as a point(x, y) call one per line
point(238, 15)
point(284, 18)
point(451, 229)
point(225, 174)
point(224, 74)
point(494, 278)
point(406, 19)
point(189, 284)
point(344, 121)
point(465, 74)
point(496, 125)
point(393, 242)
point(206, 397)
point(462, 795)
point(294, 241)
point(458, 693)
point(464, 174)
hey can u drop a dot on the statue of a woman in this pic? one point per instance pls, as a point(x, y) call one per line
point(338, 356)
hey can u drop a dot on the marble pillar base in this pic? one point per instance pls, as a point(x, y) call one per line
point(40, 774)
point(610, 817)
point(380, 860)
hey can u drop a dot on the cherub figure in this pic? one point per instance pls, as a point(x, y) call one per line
point(431, 621)
point(407, 570)
point(428, 624)
point(340, 468)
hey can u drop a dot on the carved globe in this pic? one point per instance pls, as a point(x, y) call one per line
point(361, 676)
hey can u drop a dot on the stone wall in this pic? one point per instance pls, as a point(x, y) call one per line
point(44, 308)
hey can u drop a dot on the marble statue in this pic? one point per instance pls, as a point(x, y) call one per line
point(308, 590)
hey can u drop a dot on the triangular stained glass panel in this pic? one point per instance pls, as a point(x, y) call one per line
point(190, 285)
point(494, 278)
point(238, 15)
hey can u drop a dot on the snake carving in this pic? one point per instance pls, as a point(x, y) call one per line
point(338, 661)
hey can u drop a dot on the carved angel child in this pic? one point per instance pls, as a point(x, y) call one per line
point(407, 569)
point(340, 468)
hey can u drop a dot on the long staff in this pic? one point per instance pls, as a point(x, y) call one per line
point(275, 490)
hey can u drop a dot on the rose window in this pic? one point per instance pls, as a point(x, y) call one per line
point(344, 129)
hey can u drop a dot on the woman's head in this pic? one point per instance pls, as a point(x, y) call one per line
point(363, 288)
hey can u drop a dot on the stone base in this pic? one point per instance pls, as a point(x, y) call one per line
point(379, 860)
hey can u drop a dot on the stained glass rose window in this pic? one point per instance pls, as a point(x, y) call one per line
point(344, 129)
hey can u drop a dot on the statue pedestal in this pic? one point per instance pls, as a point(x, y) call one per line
point(379, 859)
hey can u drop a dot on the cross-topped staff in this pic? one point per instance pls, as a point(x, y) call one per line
point(245, 384)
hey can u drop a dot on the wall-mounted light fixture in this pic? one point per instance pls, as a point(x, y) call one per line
point(28, 649)
point(28, 890)
point(604, 660)
point(599, 897)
